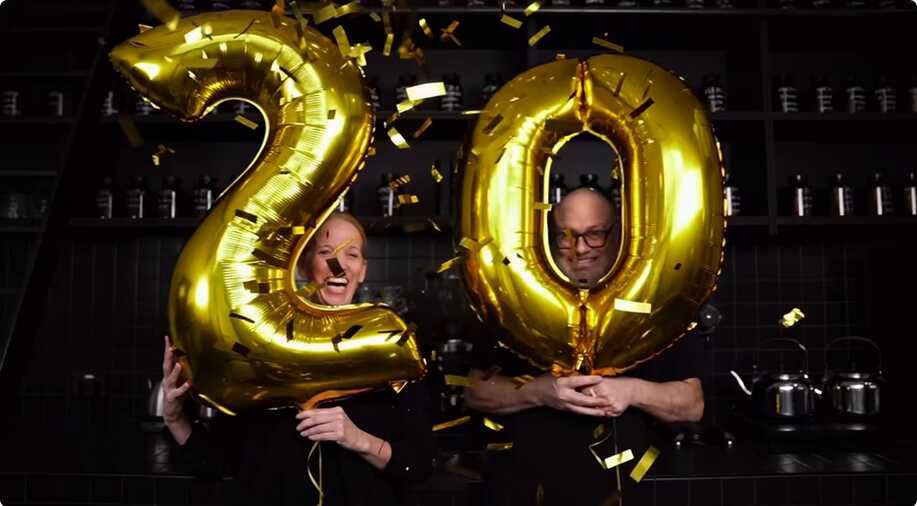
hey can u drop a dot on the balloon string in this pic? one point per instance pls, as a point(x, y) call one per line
point(316, 484)
point(614, 427)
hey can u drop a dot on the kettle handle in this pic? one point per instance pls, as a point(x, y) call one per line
point(789, 340)
point(857, 339)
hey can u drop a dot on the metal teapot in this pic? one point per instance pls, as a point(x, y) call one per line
point(853, 393)
point(781, 394)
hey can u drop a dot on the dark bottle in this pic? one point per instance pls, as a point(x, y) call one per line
point(136, 198)
point(386, 195)
point(557, 189)
point(912, 91)
point(374, 93)
point(886, 95)
point(590, 181)
point(404, 82)
point(616, 186)
point(824, 95)
point(105, 199)
point(787, 95)
point(714, 93)
point(454, 97)
point(732, 199)
point(910, 194)
point(880, 197)
point(855, 95)
point(841, 196)
point(204, 195)
point(167, 199)
point(491, 85)
point(803, 201)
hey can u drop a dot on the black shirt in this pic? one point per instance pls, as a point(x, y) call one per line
point(267, 456)
point(551, 448)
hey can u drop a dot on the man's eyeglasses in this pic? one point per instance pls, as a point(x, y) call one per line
point(593, 238)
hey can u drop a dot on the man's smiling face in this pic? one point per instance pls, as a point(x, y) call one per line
point(585, 239)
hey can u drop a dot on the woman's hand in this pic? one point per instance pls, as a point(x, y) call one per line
point(333, 424)
point(173, 396)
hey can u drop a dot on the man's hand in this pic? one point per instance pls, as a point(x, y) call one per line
point(565, 394)
point(617, 393)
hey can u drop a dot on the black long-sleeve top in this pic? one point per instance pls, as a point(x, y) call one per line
point(267, 457)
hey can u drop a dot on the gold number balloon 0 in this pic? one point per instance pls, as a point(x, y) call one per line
point(249, 338)
point(672, 218)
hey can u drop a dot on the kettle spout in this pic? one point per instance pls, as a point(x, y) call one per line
point(741, 383)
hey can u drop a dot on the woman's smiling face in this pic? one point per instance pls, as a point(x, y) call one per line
point(340, 239)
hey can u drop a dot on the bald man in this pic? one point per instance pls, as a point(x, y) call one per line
point(552, 420)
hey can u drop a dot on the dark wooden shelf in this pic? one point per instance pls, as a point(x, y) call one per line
point(11, 227)
point(36, 121)
point(55, 30)
point(373, 224)
point(845, 220)
point(844, 116)
point(27, 173)
point(45, 75)
point(747, 221)
point(663, 11)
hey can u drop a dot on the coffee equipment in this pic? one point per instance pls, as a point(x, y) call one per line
point(781, 394)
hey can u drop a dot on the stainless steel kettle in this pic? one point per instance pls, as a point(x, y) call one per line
point(781, 394)
point(852, 393)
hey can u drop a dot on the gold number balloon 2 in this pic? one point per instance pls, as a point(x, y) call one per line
point(250, 339)
point(673, 224)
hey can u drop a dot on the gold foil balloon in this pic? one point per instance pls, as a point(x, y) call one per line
point(249, 338)
point(673, 224)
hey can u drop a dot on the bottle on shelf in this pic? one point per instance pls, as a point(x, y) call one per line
point(9, 104)
point(204, 195)
point(822, 4)
point(616, 186)
point(492, 83)
point(374, 93)
point(594, 2)
point(105, 199)
point(824, 95)
point(857, 4)
point(561, 3)
point(386, 195)
point(732, 199)
point(886, 95)
point(855, 95)
point(694, 4)
point(404, 81)
point(786, 4)
point(910, 194)
point(108, 105)
point(912, 91)
point(57, 102)
point(714, 93)
point(880, 197)
point(787, 94)
point(345, 203)
point(841, 196)
point(886, 4)
point(803, 199)
point(663, 3)
point(167, 199)
point(136, 197)
point(558, 189)
point(591, 181)
point(143, 107)
point(453, 99)
point(724, 4)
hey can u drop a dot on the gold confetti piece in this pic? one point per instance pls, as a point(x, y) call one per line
point(433, 224)
point(618, 459)
point(489, 128)
point(499, 447)
point(543, 206)
point(599, 430)
point(449, 33)
point(457, 381)
point(598, 41)
point(643, 465)
point(560, 56)
point(334, 265)
point(165, 13)
point(332, 113)
point(277, 13)
point(406, 105)
point(245, 121)
point(468, 243)
point(408, 199)
point(451, 423)
point(448, 264)
point(375, 16)
point(391, 119)
point(341, 37)
point(194, 35)
point(351, 8)
point(403, 180)
point(389, 39)
point(130, 130)
point(791, 318)
point(630, 306)
point(511, 21)
point(298, 230)
point(398, 386)
point(297, 13)
point(143, 28)
point(437, 176)
point(425, 91)
point(324, 14)
point(425, 27)
point(539, 35)
point(397, 138)
point(340, 247)
point(492, 425)
point(310, 288)
point(358, 51)
point(520, 381)
point(161, 152)
point(422, 128)
point(532, 8)
point(471, 112)
point(641, 108)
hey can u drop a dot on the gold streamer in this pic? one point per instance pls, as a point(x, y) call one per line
point(375, 16)
point(791, 318)
point(316, 484)
point(608, 45)
point(451, 423)
point(324, 14)
point(397, 138)
point(425, 91)
point(618, 459)
point(532, 8)
point(161, 152)
point(630, 306)
point(423, 127)
point(425, 27)
point(499, 447)
point(351, 8)
point(389, 40)
point(341, 37)
point(242, 120)
point(408, 199)
point(406, 105)
point(492, 425)
point(511, 21)
point(437, 176)
point(457, 381)
point(448, 264)
point(539, 35)
point(644, 464)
